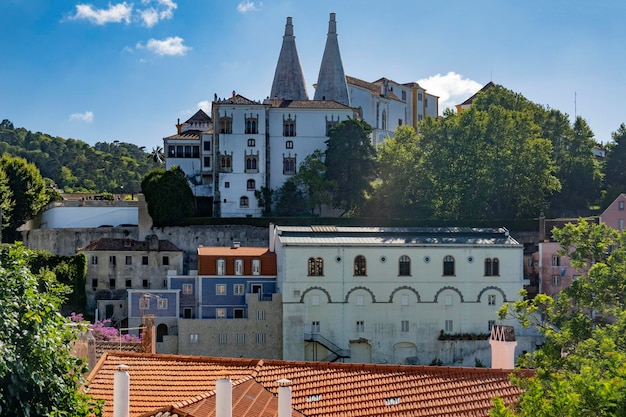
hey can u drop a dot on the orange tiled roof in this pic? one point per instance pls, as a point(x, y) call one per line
point(185, 383)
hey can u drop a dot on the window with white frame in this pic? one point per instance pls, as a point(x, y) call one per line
point(94, 260)
point(260, 314)
point(112, 260)
point(620, 205)
point(491, 299)
point(162, 304)
point(238, 289)
point(360, 326)
point(187, 289)
point(448, 326)
point(238, 266)
point(556, 281)
point(315, 327)
point(261, 338)
point(289, 144)
point(220, 289)
point(221, 267)
point(360, 300)
point(129, 260)
point(256, 267)
point(315, 267)
point(556, 260)
point(404, 300)
point(404, 325)
point(144, 303)
point(193, 338)
point(220, 313)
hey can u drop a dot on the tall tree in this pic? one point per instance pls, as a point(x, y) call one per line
point(290, 200)
point(403, 186)
point(38, 376)
point(614, 172)
point(28, 189)
point(350, 164)
point(157, 155)
point(311, 179)
point(168, 196)
point(6, 203)
point(581, 368)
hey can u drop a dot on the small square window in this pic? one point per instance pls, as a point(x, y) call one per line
point(223, 338)
point(491, 299)
point(94, 283)
point(129, 283)
point(227, 184)
point(94, 260)
point(241, 338)
point(144, 303)
point(404, 325)
point(220, 313)
point(620, 205)
point(145, 283)
point(260, 338)
point(193, 338)
point(360, 326)
point(449, 327)
point(238, 313)
point(220, 289)
point(129, 260)
point(238, 289)
point(162, 304)
point(556, 281)
point(112, 260)
point(187, 289)
point(112, 283)
point(166, 260)
point(260, 315)
point(144, 260)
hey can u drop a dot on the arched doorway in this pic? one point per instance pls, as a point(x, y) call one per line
point(161, 331)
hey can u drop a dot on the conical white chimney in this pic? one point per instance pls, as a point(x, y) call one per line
point(223, 397)
point(121, 392)
point(284, 398)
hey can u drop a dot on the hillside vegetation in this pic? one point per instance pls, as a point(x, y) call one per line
point(75, 166)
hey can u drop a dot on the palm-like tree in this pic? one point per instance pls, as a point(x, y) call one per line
point(157, 155)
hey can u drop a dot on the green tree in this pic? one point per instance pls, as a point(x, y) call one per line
point(157, 155)
point(290, 200)
point(168, 196)
point(614, 172)
point(28, 189)
point(6, 203)
point(350, 165)
point(581, 368)
point(403, 186)
point(265, 197)
point(38, 376)
point(311, 180)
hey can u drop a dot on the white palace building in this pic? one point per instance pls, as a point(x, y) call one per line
point(246, 144)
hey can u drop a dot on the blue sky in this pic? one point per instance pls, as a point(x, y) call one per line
point(112, 70)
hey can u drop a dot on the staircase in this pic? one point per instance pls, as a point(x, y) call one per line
point(336, 352)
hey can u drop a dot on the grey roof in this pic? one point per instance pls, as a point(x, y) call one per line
point(331, 81)
point(200, 116)
point(393, 236)
point(289, 81)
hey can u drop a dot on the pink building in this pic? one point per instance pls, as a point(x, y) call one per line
point(615, 213)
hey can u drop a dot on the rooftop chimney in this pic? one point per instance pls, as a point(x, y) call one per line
point(121, 392)
point(284, 398)
point(223, 397)
point(503, 345)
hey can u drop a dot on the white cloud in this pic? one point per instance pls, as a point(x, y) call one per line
point(451, 88)
point(114, 14)
point(248, 6)
point(86, 117)
point(205, 106)
point(169, 46)
point(153, 12)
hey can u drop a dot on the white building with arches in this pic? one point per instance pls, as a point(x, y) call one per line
point(395, 295)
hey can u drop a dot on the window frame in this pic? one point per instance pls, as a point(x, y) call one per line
point(404, 266)
point(448, 266)
point(221, 289)
point(360, 266)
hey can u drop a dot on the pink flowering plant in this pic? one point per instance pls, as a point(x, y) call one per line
point(103, 331)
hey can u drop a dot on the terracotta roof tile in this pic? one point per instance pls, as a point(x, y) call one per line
point(186, 383)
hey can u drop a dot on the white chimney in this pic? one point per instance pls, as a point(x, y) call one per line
point(503, 345)
point(121, 392)
point(284, 398)
point(223, 397)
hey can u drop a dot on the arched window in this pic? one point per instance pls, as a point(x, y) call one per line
point(252, 163)
point(448, 265)
point(289, 165)
point(360, 266)
point(404, 266)
point(243, 201)
point(492, 267)
point(315, 267)
point(250, 185)
point(161, 331)
point(289, 126)
point(251, 142)
point(251, 126)
point(384, 120)
point(226, 163)
point(226, 125)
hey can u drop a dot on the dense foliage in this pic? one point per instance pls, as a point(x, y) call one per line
point(74, 166)
point(168, 196)
point(581, 368)
point(38, 376)
point(27, 191)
